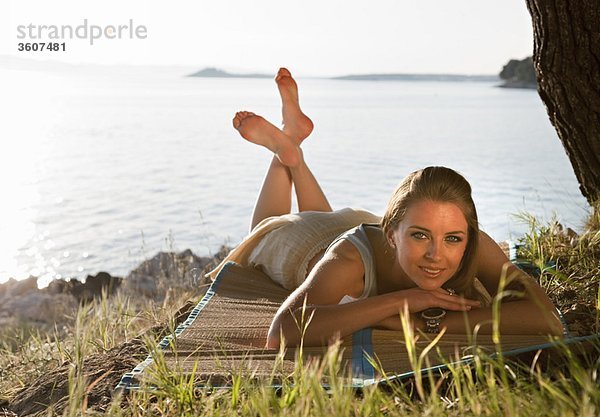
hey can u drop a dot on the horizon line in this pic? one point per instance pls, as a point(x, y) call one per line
point(242, 72)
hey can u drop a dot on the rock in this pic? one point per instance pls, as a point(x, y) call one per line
point(57, 286)
point(567, 233)
point(38, 307)
point(94, 285)
point(14, 288)
point(88, 290)
point(167, 270)
point(142, 283)
point(22, 301)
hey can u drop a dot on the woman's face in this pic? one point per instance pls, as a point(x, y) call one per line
point(430, 242)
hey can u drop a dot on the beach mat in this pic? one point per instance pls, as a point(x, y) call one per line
point(224, 336)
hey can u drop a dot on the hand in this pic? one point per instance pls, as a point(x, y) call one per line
point(418, 299)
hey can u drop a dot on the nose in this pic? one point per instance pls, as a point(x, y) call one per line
point(434, 253)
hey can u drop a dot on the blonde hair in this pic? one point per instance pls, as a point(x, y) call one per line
point(444, 185)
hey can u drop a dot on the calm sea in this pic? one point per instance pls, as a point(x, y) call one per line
point(102, 168)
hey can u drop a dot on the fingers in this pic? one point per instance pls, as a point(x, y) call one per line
point(453, 302)
point(447, 305)
point(446, 295)
point(418, 299)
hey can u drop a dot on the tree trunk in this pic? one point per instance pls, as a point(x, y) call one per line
point(566, 57)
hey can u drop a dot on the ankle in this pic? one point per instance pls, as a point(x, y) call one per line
point(301, 165)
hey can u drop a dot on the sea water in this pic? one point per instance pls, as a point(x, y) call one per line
point(102, 168)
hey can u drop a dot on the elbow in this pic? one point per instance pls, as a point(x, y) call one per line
point(551, 325)
point(272, 342)
point(274, 335)
point(283, 331)
point(556, 327)
point(554, 324)
point(278, 334)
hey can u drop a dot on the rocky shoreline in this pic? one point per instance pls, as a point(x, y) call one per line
point(21, 302)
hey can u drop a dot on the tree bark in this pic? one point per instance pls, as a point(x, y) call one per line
point(566, 57)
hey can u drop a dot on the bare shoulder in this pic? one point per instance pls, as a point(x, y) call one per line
point(490, 262)
point(344, 250)
point(489, 247)
point(493, 263)
point(339, 272)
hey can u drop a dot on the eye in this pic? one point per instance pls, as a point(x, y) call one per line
point(419, 235)
point(454, 239)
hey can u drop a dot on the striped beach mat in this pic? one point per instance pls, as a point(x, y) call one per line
point(224, 336)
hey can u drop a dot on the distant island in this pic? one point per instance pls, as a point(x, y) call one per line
point(519, 74)
point(211, 72)
point(417, 77)
point(516, 74)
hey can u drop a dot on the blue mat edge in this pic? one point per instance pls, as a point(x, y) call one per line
point(509, 353)
point(362, 349)
point(128, 380)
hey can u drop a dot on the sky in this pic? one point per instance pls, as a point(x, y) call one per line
point(312, 37)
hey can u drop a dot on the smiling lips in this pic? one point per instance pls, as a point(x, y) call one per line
point(432, 272)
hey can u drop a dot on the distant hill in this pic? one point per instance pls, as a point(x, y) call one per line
point(417, 77)
point(519, 74)
point(211, 72)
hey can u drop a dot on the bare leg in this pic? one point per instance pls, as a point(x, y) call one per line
point(275, 196)
point(257, 130)
point(298, 126)
point(309, 194)
point(287, 167)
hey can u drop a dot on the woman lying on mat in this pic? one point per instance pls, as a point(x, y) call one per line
point(350, 269)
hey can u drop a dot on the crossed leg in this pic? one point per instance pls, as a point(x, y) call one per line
point(287, 167)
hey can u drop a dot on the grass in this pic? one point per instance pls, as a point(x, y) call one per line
point(568, 269)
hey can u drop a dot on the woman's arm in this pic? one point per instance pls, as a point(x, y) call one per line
point(532, 311)
point(312, 314)
point(516, 317)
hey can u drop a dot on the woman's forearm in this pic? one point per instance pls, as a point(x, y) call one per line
point(515, 317)
point(317, 325)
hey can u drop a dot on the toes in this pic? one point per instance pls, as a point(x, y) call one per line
point(240, 117)
point(283, 72)
point(237, 121)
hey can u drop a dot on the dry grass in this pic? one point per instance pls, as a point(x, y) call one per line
point(568, 268)
point(81, 357)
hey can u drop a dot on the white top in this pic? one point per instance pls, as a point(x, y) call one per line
point(358, 237)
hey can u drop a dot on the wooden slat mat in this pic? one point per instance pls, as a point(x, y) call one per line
point(225, 336)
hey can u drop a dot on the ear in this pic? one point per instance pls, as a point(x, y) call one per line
point(390, 237)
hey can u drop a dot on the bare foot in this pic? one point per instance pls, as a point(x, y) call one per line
point(295, 123)
point(257, 130)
